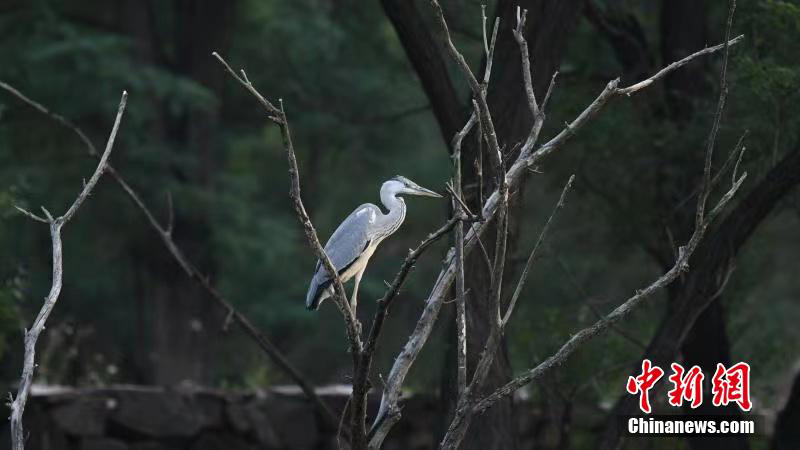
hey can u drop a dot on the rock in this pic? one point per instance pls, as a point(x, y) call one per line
point(164, 414)
point(150, 445)
point(222, 441)
point(42, 432)
point(251, 419)
point(102, 444)
point(237, 416)
point(82, 416)
point(293, 421)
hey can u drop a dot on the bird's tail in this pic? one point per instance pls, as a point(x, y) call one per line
point(317, 292)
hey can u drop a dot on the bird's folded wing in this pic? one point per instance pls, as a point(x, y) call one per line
point(349, 240)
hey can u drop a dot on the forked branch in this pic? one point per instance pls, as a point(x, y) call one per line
point(191, 270)
point(278, 116)
point(703, 220)
point(389, 412)
point(31, 336)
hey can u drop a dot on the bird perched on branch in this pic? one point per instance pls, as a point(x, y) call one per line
point(354, 241)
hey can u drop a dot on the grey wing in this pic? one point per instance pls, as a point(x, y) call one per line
point(349, 240)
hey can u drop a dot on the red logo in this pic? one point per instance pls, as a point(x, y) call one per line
point(732, 385)
point(643, 383)
point(727, 385)
point(687, 387)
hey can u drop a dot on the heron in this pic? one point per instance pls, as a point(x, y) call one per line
point(355, 240)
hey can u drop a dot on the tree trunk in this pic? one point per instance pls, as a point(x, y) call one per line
point(548, 30)
point(706, 345)
point(787, 433)
point(182, 323)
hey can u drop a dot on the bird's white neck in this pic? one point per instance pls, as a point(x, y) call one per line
point(396, 206)
point(390, 199)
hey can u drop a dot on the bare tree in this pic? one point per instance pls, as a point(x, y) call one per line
point(469, 403)
point(31, 336)
point(495, 209)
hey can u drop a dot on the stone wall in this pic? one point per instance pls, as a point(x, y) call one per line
point(153, 418)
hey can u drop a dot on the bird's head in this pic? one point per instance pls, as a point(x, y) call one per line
point(400, 185)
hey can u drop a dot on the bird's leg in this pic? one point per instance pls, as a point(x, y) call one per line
point(354, 297)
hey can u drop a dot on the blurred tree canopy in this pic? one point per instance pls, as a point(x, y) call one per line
point(360, 116)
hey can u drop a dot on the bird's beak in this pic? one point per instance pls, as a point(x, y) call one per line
point(421, 191)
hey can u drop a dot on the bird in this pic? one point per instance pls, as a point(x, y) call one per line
point(355, 240)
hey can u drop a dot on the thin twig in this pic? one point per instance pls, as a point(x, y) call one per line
point(549, 91)
point(598, 315)
point(634, 88)
point(457, 198)
point(57, 117)
point(460, 207)
point(712, 135)
point(477, 90)
point(532, 257)
point(484, 253)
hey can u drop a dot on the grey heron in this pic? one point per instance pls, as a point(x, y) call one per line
point(354, 241)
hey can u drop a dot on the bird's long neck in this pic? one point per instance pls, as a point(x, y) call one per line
point(397, 211)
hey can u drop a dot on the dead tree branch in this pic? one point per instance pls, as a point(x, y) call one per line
point(534, 253)
point(703, 220)
point(278, 116)
point(55, 224)
point(460, 208)
point(389, 412)
point(362, 354)
point(464, 412)
point(191, 270)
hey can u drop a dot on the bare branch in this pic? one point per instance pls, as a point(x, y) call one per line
point(483, 27)
point(619, 313)
point(31, 215)
point(526, 61)
point(524, 276)
point(611, 90)
point(549, 91)
point(458, 208)
point(457, 198)
point(536, 111)
point(477, 90)
point(736, 166)
point(170, 214)
point(681, 263)
point(164, 233)
point(274, 113)
point(57, 117)
point(484, 253)
point(340, 299)
point(378, 433)
point(634, 88)
point(101, 166)
point(347, 309)
point(712, 136)
point(55, 224)
point(389, 412)
point(394, 288)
